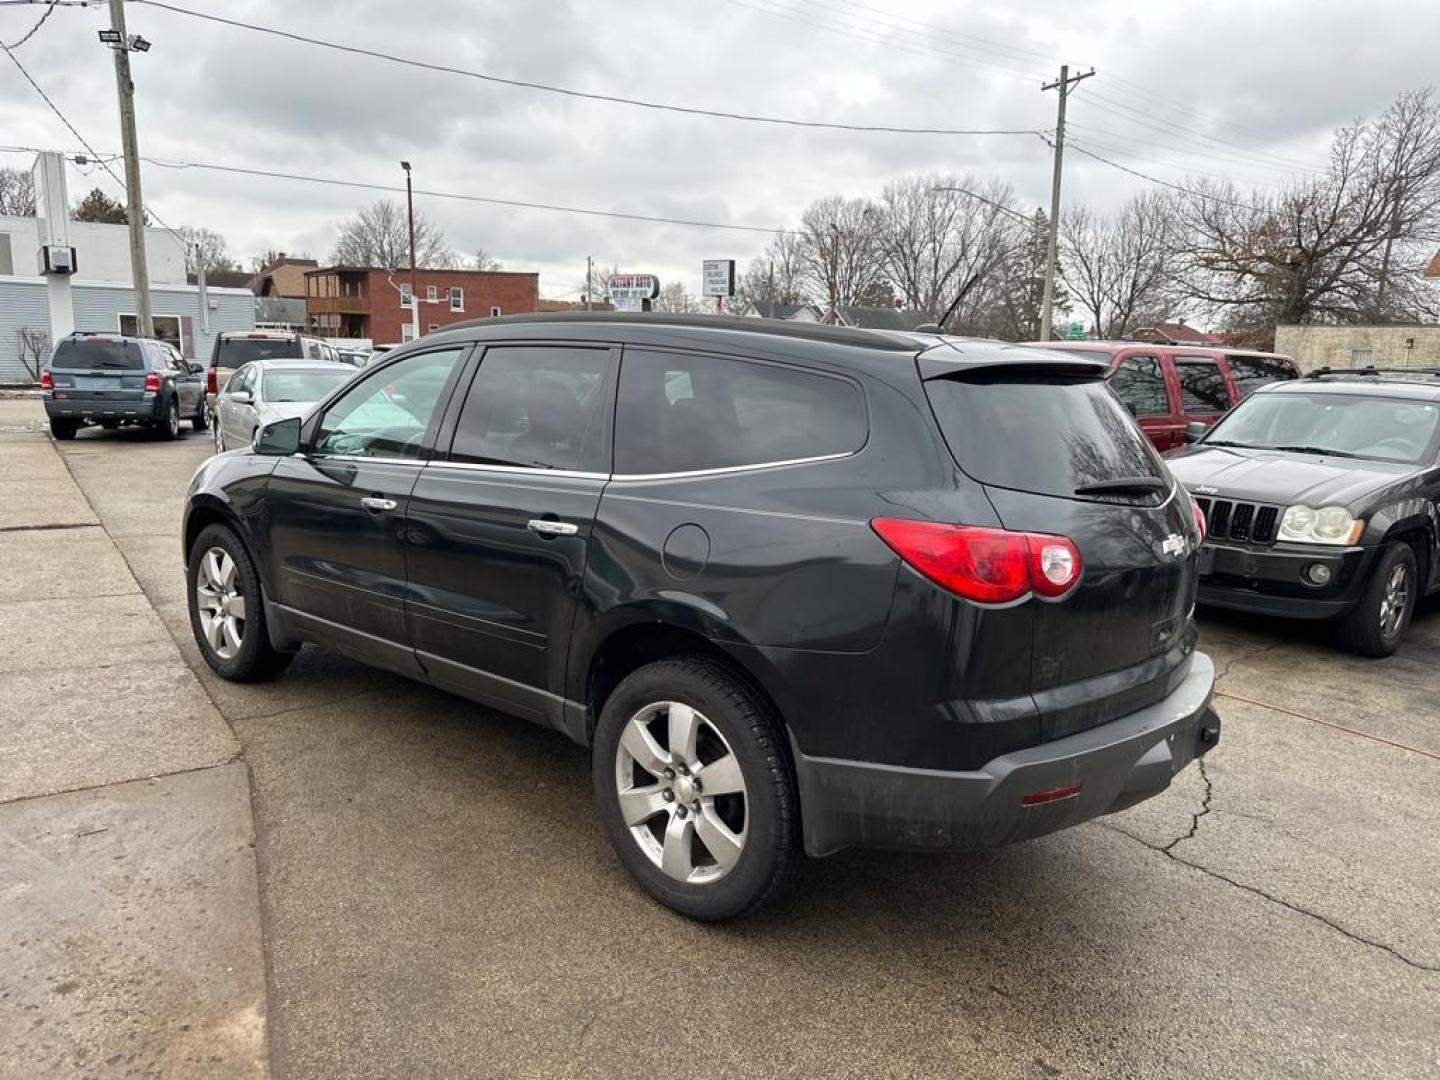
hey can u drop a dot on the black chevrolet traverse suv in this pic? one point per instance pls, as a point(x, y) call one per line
point(796, 588)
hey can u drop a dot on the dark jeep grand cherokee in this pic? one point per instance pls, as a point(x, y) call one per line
point(796, 588)
point(1322, 499)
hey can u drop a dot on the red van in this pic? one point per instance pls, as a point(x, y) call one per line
point(1167, 387)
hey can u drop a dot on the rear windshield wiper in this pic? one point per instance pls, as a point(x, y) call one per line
point(1121, 484)
point(1316, 450)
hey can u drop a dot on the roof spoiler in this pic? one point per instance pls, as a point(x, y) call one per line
point(948, 360)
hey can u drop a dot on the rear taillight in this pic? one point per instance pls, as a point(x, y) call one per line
point(989, 566)
point(212, 382)
point(46, 382)
point(152, 382)
point(1199, 518)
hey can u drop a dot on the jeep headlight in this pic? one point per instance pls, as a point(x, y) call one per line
point(1327, 525)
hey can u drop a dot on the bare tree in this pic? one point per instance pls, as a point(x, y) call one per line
point(485, 261)
point(1341, 246)
point(1009, 304)
point(777, 277)
point(378, 235)
point(942, 236)
point(17, 193)
point(34, 347)
point(1122, 270)
point(674, 297)
point(840, 250)
point(205, 247)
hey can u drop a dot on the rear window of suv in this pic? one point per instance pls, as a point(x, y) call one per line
point(236, 351)
point(1252, 372)
point(1044, 434)
point(81, 354)
point(684, 413)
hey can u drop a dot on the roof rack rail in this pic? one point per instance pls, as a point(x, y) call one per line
point(1370, 371)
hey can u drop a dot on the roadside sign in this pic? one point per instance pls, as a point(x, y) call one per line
point(1075, 331)
point(718, 277)
point(628, 292)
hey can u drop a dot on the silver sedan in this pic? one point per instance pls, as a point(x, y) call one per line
point(267, 390)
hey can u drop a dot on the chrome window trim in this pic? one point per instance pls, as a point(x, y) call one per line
point(417, 462)
point(731, 469)
point(518, 470)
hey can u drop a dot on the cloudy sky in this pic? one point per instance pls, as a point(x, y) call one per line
point(1245, 90)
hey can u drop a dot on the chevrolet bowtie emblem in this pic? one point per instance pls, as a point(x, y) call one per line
point(1174, 544)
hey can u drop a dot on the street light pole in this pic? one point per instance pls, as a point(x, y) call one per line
point(414, 288)
point(134, 205)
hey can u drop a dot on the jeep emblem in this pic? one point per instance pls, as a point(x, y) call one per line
point(1204, 489)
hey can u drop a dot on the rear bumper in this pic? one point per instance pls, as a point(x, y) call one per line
point(1273, 581)
point(141, 408)
point(854, 803)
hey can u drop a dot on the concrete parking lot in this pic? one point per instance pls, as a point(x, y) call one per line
point(429, 893)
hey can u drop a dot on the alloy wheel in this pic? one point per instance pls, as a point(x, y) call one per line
point(220, 603)
point(1395, 601)
point(682, 794)
point(172, 418)
point(219, 442)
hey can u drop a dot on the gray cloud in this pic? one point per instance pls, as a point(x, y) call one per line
point(1258, 79)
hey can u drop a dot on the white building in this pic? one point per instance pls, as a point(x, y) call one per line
point(99, 296)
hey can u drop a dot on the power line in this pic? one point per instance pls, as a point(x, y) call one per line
point(611, 99)
point(466, 197)
point(103, 162)
point(49, 10)
point(1165, 183)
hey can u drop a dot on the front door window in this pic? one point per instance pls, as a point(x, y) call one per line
point(387, 414)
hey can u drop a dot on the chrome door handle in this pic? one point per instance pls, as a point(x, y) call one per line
point(545, 527)
point(371, 502)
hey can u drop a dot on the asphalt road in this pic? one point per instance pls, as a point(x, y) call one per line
point(438, 899)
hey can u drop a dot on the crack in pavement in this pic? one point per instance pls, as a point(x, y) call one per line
point(1202, 812)
point(304, 708)
point(1255, 890)
point(1244, 657)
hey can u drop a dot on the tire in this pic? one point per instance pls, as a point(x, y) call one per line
point(253, 659)
point(64, 429)
point(1375, 626)
point(110, 425)
point(201, 420)
point(739, 745)
point(168, 426)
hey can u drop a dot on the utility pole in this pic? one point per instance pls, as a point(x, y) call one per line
point(414, 289)
point(834, 274)
point(120, 45)
point(1063, 84)
point(589, 281)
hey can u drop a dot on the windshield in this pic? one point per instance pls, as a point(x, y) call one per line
point(86, 354)
point(236, 351)
point(1346, 425)
point(1050, 435)
point(300, 385)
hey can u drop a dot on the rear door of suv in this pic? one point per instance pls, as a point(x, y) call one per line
point(499, 524)
point(1058, 455)
point(100, 374)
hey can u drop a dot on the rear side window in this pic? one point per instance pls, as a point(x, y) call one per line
point(80, 353)
point(1139, 383)
point(1252, 372)
point(1044, 434)
point(1202, 388)
point(681, 413)
point(536, 406)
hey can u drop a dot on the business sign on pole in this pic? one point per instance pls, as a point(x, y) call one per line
point(628, 292)
point(718, 278)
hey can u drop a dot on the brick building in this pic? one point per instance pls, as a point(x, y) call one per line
point(365, 302)
point(1394, 345)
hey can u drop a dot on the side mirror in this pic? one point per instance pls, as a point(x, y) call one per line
point(241, 397)
point(1195, 431)
point(278, 439)
point(196, 368)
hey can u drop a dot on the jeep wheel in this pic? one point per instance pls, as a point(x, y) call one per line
point(1379, 621)
point(227, 614)
point(694, 789)
point(64, 429)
